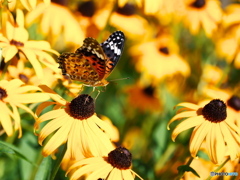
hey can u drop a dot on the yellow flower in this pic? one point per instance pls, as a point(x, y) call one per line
point(93, 16)
point(231, 99)
point(21, 72)
point(204, 167)
point(158, 59)
point(144, 98)
point(202, 13)
point(16, 41)
point(211, 123)
point(14, 94)
point(28, 4)
point(229, 41)
point(55, 20)
point(115, 166)
point(126, 19)
point(76, 124)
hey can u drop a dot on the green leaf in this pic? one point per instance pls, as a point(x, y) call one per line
point(44, 169)
point(10, 149)
point(186, 168)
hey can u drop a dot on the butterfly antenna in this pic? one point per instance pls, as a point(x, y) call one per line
point(118, 79)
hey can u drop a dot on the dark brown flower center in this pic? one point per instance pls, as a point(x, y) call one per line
point(23, 77)
point(198, 3)
point(127, 10)
point(215, 111)
point(16, 43)
point(87, 8)
point(164, 50)
point(234, 102)
point(149, 91)
point(61, 2)
point(82, 107)
point(3, 93)
point(120, 158)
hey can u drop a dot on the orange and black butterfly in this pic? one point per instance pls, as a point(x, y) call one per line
point(92, 63)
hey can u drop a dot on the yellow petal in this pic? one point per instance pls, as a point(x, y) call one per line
point(9, 52)
point(187, 124)
point(57, 139)
point(5, 119)
point(20, 18)
point(182, 115)
point(43, 106)
point(53, 94)
point(232, 145)
point(127, 174)
point(198, 135)
point(17, 123)
point(84, 170)
point(31, 56)
point(31, 97)
point(50, 127)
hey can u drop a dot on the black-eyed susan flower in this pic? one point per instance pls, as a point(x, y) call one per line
point(52, 23)
point(143, 97)
point(16, 41)
point(159, 59)
point(229, 39)
point(115, 166)
point(232, 101)
point(28, 4)
point(74, 123)
point(205, 14)
point(93, 16)
point(212, 124)
point(126, 19)
point(203, 167)
point(13, 95)
point(20, 72)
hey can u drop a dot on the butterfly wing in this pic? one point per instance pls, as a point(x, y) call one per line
point(93, 53)
point(113, 48)
point(87, 64)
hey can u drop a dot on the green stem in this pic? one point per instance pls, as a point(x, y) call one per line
point(218, 168)
point(58, 162)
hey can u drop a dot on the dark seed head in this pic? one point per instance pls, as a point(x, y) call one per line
point(215, 111)
point(164, 50)
point(16, 43)
point(3, 93)
point(149, 91)
point(198, 3)
point(23, 77)
point(120, 158)
point(234, 102)
point(127, 10)
point(87, 8)
point(82, 107)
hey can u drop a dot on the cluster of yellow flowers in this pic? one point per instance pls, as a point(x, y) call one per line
point(184, 52)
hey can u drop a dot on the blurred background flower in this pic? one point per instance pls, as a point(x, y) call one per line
point(175, 51)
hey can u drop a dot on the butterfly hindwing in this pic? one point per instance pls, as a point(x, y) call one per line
point(77, 67)
point(113, 48)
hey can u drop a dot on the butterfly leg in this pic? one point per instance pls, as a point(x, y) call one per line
point(97, 94)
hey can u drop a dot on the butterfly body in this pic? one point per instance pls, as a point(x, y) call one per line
point(92, 63)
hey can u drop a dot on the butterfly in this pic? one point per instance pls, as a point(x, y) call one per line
point(93, 62)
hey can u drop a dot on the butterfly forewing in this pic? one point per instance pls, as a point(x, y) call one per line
point(93, 53)
point(113, 48)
